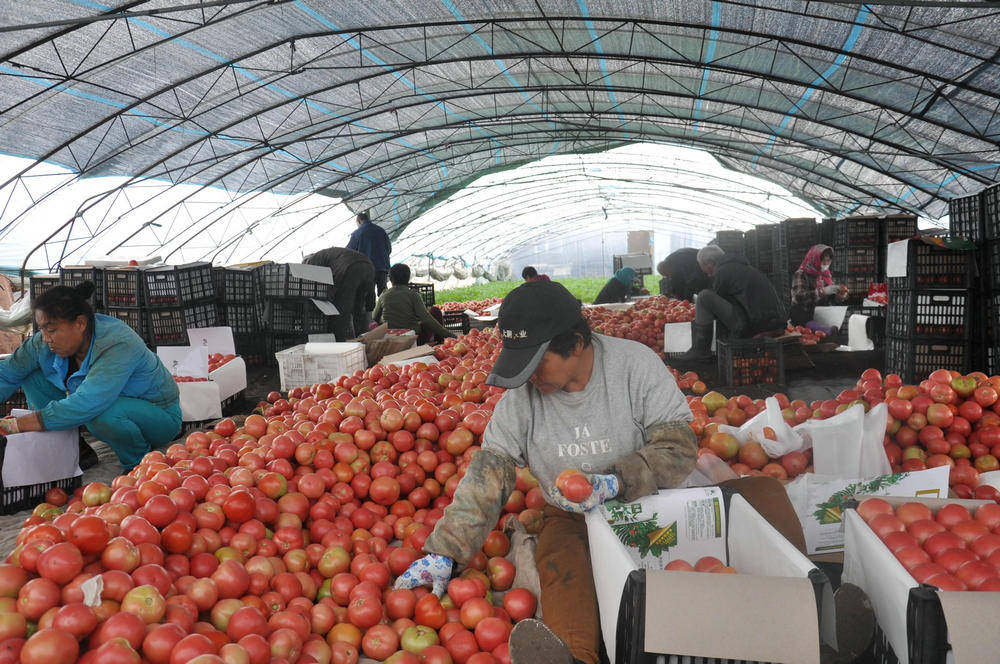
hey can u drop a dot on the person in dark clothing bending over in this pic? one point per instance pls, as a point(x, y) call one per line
point(617, 288)
point(682, 276)
point(353, 277)
point(371, 240)
point(741, 298)
point(529, 274)
point(401, 307)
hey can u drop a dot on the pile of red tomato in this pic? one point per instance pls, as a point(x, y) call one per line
point(279, 539)
point(951, 549)
point(479, 306)
point(643, 322)
point(949, 419)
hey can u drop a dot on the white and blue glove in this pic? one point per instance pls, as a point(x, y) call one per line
point(431, 570)
point(605, 488)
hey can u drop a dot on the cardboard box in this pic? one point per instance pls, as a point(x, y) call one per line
point(922, 624)
point(409, 354)
point(675, 607)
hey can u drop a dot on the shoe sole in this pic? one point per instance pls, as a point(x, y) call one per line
point(855, 620)
point(531, 642)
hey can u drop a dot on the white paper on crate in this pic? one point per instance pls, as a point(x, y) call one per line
point(320, 273)
point(215, 339)
point(857, 333)
point(818, 500)
point(871, 567)
point(831, 316)
point(184, 360)
point(40, 456)
point(693, 519)
point(896, 255)
point(200, 401)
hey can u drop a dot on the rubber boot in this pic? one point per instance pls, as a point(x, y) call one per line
point(701, 344)
point(532, 642)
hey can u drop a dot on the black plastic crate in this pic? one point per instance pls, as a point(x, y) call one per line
point(15, 400)
point(242, 318)
point(782, 283)
point(874, 328)
point(295, 317)
point(426, 293)
point(731, 242)
point(253, 348)
point(934, 313)
point(16, 498)
point(41, 283)
point(750, 245)
point(929, 266)
point(826, 235)
point(168, 327)
point(277, 342)
point(896, 227)
point(855, 260)
point(236, 285)
point(179, 285)
point(456, 321)
point(990, 204)
point(855, 232)
point(134, 318)
point(278, 282)
point(123, 287)
point(857, 284)
point(796, 234)
point(965, 218)
point(915, 359)
point(750, 362)
point(76, 275)
point(765, 247)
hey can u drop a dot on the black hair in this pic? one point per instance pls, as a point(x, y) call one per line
point(827, 253)
point(529, 272)
point(67, 303)
point(399, 274)
point(363, 217)
point(564, 343)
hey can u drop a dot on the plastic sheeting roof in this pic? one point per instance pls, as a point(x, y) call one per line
point(393, 106)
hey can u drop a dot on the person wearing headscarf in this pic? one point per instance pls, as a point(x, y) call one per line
point(617, 288)
point(812, 285)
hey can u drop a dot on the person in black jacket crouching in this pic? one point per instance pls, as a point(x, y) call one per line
point(741, 298)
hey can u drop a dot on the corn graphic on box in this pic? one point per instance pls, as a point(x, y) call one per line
point(684, 523)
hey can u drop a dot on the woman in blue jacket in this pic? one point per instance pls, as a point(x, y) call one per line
point(87, 369)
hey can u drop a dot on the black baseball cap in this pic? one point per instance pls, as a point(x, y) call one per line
point(530, 316)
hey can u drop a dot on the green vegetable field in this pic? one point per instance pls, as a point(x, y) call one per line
point(585, 288)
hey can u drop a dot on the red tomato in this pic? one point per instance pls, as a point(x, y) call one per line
point(50, 646)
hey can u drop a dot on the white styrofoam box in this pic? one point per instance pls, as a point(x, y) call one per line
point(34, 457)
point(306, 364)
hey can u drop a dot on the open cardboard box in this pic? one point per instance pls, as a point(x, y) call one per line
point(409, 354)
point(771, 609)
point(922, 624)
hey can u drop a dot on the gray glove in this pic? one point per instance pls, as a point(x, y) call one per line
point(831, 289)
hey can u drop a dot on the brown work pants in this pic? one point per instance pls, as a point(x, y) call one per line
point(569, 600)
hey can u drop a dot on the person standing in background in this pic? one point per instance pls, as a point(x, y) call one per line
point(372, 241)
point(353, 279)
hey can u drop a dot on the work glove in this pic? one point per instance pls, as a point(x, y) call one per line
point(8, 425)
point(831, 289)
point(605, 488)
point(432, 570)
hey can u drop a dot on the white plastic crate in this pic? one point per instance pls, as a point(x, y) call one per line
point(306, 364)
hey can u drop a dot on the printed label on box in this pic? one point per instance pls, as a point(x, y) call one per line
point(686, 524)
point(822, 518)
